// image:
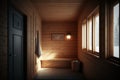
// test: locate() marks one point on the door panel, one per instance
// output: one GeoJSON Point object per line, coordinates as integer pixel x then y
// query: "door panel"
{"type": "Point", "coordinates": [16, 51]}
{"type": "Point", "coordinates": [18, 57]}
{"type": "Point", "coordinates": [18, 20]}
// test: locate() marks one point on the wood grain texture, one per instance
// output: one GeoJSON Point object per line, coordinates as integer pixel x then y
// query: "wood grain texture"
{"type": "Point", "coordinates": [3, 40]}
{"type": "Point", "coordinates": [60, 48]}
{"type": "Point", "coordinates": [57, 63]}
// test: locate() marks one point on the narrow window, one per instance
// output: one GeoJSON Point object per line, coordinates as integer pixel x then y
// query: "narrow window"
{"type": "Point", "coordinates": [96, 33]}
{"type": "Point", "coordinates": [89, 27]}
{"type": "Point", "coordinates": [84, 36]}
{"type": "Point", "coordinates": [116, 30]}
{"type": "Point", "coordinates": [90, 33]}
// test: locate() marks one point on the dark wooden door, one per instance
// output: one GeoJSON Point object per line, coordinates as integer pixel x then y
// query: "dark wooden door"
{"type": "Point", "coordinates": [16, 51]}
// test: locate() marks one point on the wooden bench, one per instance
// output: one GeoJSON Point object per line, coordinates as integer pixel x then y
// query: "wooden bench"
{"type": "Point", "coordinates": [57, 63]}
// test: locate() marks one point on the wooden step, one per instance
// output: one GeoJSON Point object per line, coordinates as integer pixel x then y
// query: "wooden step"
{"type": "Point", "coordinates": [57, 63]}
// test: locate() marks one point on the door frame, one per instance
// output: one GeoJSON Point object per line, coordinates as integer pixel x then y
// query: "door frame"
{"type": "Point", "coordinates": [24, 40]}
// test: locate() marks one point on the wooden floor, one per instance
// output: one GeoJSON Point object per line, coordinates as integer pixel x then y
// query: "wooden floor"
{"type": "Point", "coordinates": [58, 74]}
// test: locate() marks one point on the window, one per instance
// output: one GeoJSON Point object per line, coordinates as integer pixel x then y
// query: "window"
{"type": "Point", "coordinates": [90, 33]}
{"type": "Point", "coordinates": [84, 35]}
{"type": "Point", "coordinates": [114, 31]}
{"type": "Point", "coordinates": [96, 32]}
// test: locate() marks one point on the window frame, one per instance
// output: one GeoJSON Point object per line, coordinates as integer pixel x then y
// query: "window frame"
{"type": "Point", "coordinates": [84, 24]}
{"type": "Point", "coordinates": [96, 12]}
{"type": "Point", "coordinates": [110, 32]}
{"type": "Point", "coordinates": [91, 16]}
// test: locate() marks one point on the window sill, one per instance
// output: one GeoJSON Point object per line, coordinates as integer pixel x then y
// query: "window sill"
{"type": "Point", "coordinates": [84, 50]}
{"type": "Point", "coordinates": [93, 54]}
{"type": "Point", "coordinates": [114, 60]}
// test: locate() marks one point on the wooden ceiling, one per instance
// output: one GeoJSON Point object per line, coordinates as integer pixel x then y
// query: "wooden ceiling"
{"type": "Point", "coordinates": [59, 10]}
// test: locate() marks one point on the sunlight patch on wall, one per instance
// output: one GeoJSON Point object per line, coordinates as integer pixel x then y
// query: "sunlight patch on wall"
{"type": "Point", "coordinates": [44, 56]}
{"type": "Point", "coordinates": [48, 55]}
{"type": "Point", "coordinates": [38, 66]}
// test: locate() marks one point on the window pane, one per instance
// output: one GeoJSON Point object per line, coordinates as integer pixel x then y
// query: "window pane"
{"type": "Point", "coordinates": [97, 33]}
{"type": "Point", "coordinates": [90, 34]}
{"type": "Point", "coordinates": [116, 31]}
{"type": "Point", "coordinates": [84, 36]}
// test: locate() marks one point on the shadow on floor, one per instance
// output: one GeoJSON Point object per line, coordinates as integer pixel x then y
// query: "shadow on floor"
{"type": "Point", "coordinates": [58, 74]}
